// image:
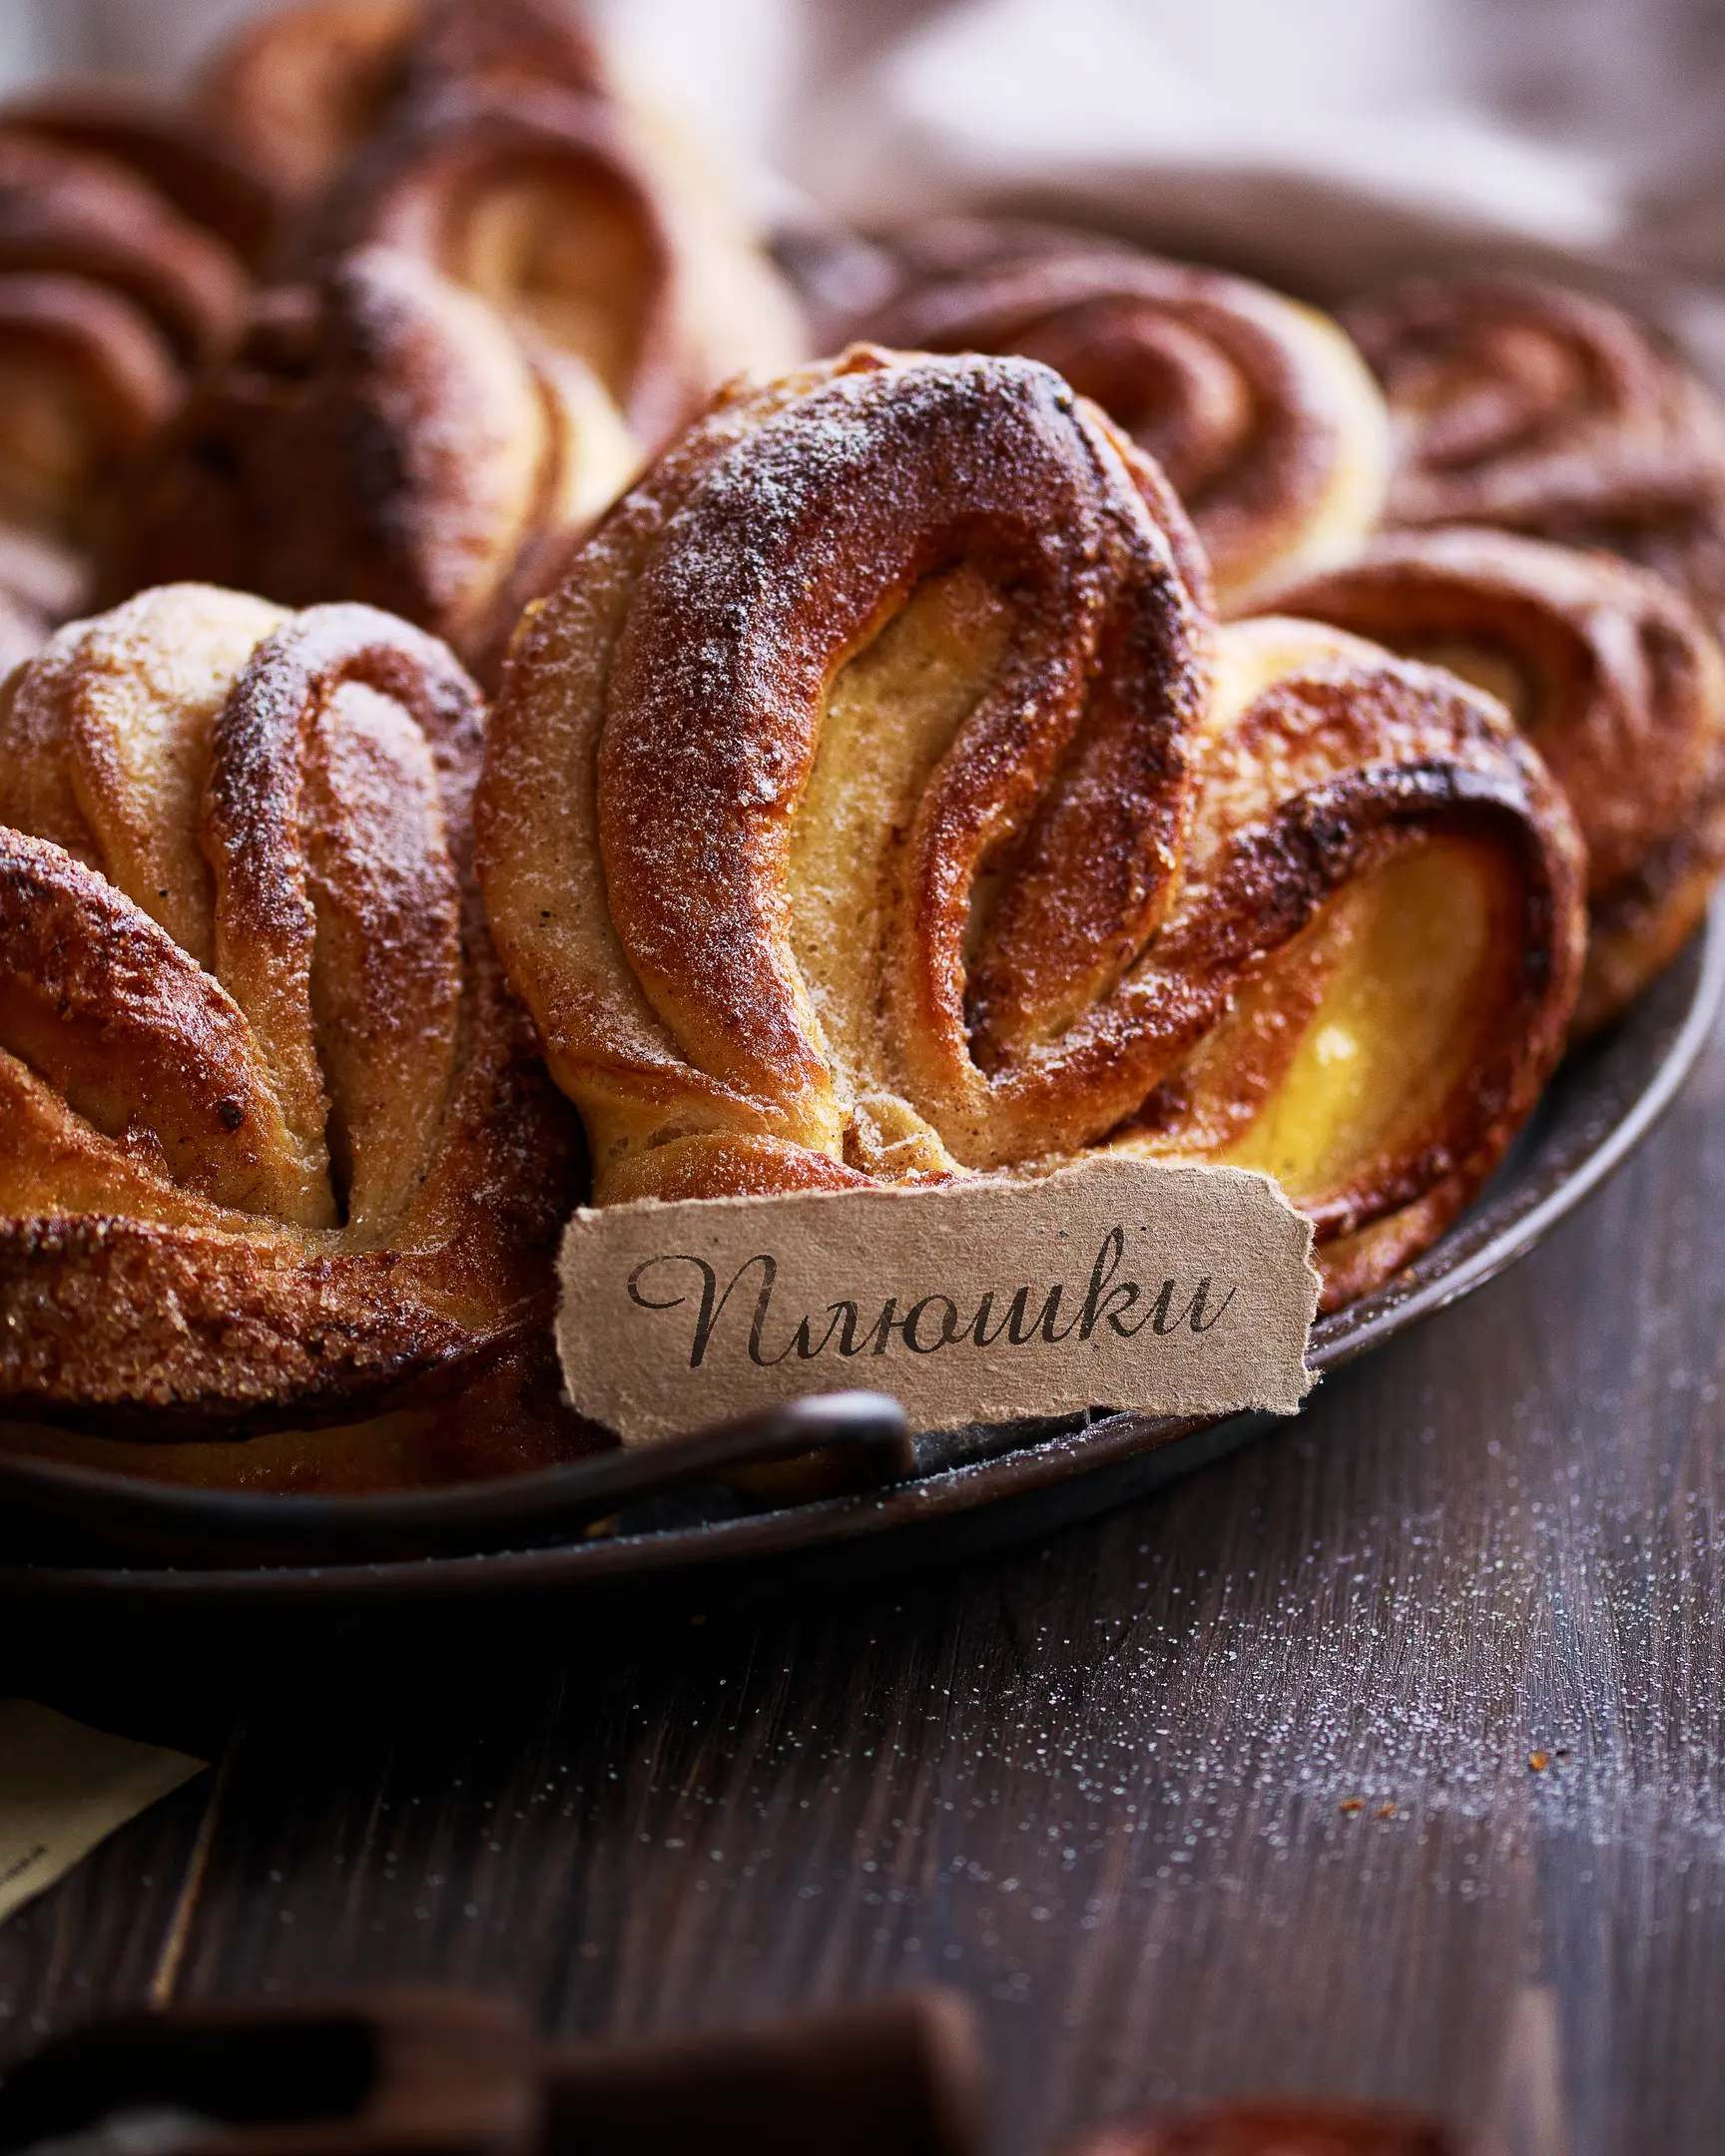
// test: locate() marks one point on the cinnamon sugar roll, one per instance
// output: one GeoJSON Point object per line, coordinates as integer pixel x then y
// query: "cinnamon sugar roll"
{"type": "Point", "coordinates": [276, 1153]}
{"type": "Point", "coordinates": [84, 385]}
{"type": "Point", "coordinates": [108, 299]}
{"type": "Point", "coordinates": [1523, 405]}
{"type": "Point", "coordinates": [574, 217]}
{"type": "Point", "coordinates": [1277, 2127]}
{"type": "Point", "coordinates": [862, 808]}
{"type": "Point", "coordinates": [380, 436]}
{"type": "Point", "coordinates": [1257, 408]}
{"type": "Point", "coordinates": [296, 91]}
{"type": "Point", "coordinates": [213, 183]}
{"type": "Point", "coordinates": [1616, 681]}
{"type": "Point", "coordinates": [300, 92]}
{"type": "Point", "coordinates": [62, 214]}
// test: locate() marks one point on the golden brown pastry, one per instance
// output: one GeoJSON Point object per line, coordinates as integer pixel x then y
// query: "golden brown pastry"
{"type": "Point", "coordinates": [381, 437]}
{"type": "Point", "coordinates": [83, 383]}
{"type": "Point", "coordinates": [64, 213]}
{"type": "Point", "coordinates": [1523, 405]}
{"type": "Point", "coordinates": [1616, 681]}
{"type": "Point", "coordinates": [213, 183]}
{"type": "Point", "coordinates": [577, 218]}
{"type": "Point", "coordinates": [1273, 2128]}
{"type": "Point", "coordinates": [868, 804]}
{"type": "Point", "coordinates": [302, 91]}
{"type": "Point", "coordinates": [276, 1152]}
{"type": "Point", "coordinates": [298, 90]}
{"type": "Point", "coordinates": [1257, 408]}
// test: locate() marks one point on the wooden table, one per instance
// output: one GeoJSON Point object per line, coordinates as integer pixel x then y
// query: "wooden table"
{"type": "Point", "coordinates": [1383, 1757]}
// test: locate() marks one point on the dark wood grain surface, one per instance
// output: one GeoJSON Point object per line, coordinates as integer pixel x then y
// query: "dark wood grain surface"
{"type": "Point", "coordinates": [1234, 1790]}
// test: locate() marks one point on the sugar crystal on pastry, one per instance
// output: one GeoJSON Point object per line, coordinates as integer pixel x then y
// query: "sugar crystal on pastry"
{"type": "Point", "coordinates": [276, 1153]}
{"type": "Point", "coordinates": [874, 800]}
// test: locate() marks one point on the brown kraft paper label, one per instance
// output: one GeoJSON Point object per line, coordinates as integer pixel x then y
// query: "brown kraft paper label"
{"type": "Point", "coordinates": [1113, 1283]}
{"type": "Point", "coordinates": [65, 1788]}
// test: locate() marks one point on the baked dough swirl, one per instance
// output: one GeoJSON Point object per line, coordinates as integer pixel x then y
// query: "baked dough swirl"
{"type": "Point", "coordinates": [108, 299]}
{"type": "Point", "coordinates": [578, 218]}
{"type": "Point", "coordinates": [301, 91]}
{"type": "Point", "coordinates": [1616, 681]}
{"type": "Point", "coordinates": [859, 810]}
{"type": "Point", "coordinates": [166, 147]}
{"type": "Point", "coordinates": [380, 436]}
{"type": "Point", "coordinates": [298, 90]}
{"type": "Point", "coordinates": [1523, 405]}
{"type": "Point", "coordinates": [85, 383]}
{"type": "Point", "coordinates": [275, 1146]}
{"type": "Point", "coordinates": [1257, 408]}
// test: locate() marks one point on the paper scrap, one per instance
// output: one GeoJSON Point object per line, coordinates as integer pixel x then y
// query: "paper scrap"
{"type": "Point", "coordinates": [64, 1787]}
{"type": "Point", "coordinates": [1116, 1282]}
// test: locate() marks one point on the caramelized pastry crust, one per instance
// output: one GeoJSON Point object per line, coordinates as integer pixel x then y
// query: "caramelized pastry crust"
{"type": "Point", "coordinates": [1257, 408]}
{"type": "Point", "coordinates": [380, 436]}
{"type": "Point", "coordinates": [1618, 684]}
{"type": "Point", "coordinates": [571, 215]}
{"type": "Point", "coordinates": [1523, 405]}
{"type": "Point", "coordinates": [298, 90]}
{"type": "Point", "coordinates": [62, 214]}
{"type": "Point", "coordinates": [85, 382]}
{"type": "Point", "coordinates": [214, 186]}
{"type": "Point", "coordinates": [107, 296]}
{"type": "Point", "coordinates": [274, 1149]}
{"type": "Point", "coordinates": [861, 810]}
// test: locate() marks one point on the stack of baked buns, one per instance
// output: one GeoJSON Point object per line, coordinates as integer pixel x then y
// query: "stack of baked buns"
{"type": "Point", "coordinates": [1101, 704]}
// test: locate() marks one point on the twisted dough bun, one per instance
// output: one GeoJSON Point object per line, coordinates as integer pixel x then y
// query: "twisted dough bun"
{"type": "Point", "coordinates": [1523, 405]}
{"type": "Point", "coordinates": [64, 213]}
{"type": "Point", "coordinates": [304, 89]}
{"type": "Point", "coordinates": [107, 296]}
{"type": "Point", "coordinates": [1617, 683]}
{"type": "Point", "coordinates": [1257, 408]}
{"type": "Point", "coordinates": [860, 810]}
{"type": "Point", "coordinates": [296, 91]}
{"type": "Point", "coordinates": [381, 437]}
{"type": "Point", "coordinates": [275, 1146]}
{"type": "Point", "coordinates": [213, 183]}
{"type": "Point", "coordinates": [582, 220]}
{"type": "Point", "coordinates": [1274, 2127]}
{"type": "Point", "coordinates": [84, 385]}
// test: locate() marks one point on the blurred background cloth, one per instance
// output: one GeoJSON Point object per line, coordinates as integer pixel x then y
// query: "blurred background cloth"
{"type": "Point", "coordinates": [1321, 140]}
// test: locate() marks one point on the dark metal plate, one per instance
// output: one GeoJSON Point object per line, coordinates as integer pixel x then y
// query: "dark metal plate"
{"type": "Point", "coordinates": [957, 1494]}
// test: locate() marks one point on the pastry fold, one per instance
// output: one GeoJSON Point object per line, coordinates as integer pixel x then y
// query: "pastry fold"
{"type": "Point", "coordinates": [1620, 685]}
{"type": "Point", "coordinates": [380, 435]}
{"type": "Point", "coordinates": [1257, 408]}
{"type": "Point", "coordinates": [508, 166]}
{"type": "Point", "coordinates": [297, 90]}
{"type": "Point", "coordinates": [110, 298]}
{"type": "Point", "coordinates": [1524, 405]}
{"type": "Point", "coordinates": [275, 1146]}
{"type": "Point", "coordinates": [875, 800]}
{"type": "Point", "coordinates": [66, 214]}
{"type": "Point", "coordinates": [168, 148]}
